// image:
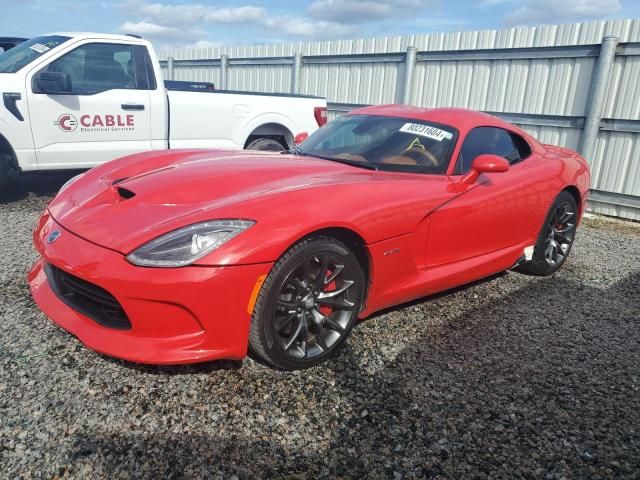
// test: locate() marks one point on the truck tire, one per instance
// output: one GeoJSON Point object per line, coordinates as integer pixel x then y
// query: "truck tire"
{"type": "Point", "coordinates": [266, 144]}
{"type": "Point", "coordinates": [3, 173]}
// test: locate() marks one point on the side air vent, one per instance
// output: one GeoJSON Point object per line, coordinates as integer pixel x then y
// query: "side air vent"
{"type": "Point", "coordinates": [124, 193]}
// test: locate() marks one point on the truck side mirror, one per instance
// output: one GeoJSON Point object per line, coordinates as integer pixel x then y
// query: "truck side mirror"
{"type": "Point", "coordinates": [54, 83]}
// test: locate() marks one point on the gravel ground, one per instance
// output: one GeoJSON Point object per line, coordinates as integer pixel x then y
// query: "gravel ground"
{"type": "Point", "coordinates": [515, 376]}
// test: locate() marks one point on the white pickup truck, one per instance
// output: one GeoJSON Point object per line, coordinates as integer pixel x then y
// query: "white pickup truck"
{"type": "Point", "coordinates": [77, 100]}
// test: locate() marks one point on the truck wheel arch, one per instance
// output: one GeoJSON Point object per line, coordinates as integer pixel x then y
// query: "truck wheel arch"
{"type": "Point", "coordinates": [8, 155]}
{"type": "Point", "coordinates": [274, 131]}
{"type": "Point", "coordinates": [266, 126]}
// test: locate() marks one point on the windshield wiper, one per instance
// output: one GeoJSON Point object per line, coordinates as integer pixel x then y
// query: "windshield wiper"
{"type": "Point", "coordinates": [296, 150]}
{"type": "Point", "coordinates": [366, 166]}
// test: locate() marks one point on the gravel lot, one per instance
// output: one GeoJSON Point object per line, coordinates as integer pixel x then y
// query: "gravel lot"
{"type": "Point", "coordinates": [511, 377]}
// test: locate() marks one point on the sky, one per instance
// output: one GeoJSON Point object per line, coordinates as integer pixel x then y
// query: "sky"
{"type": "Point", "coordinates": [201, 23]}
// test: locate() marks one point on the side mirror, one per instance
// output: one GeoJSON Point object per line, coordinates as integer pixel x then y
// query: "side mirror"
{"type": "Point", "coordinates": [301, 137]}
{"type": "Point", "coordinates": [55, 83]}
{"type": "Point", "coordinates": [485, 164]}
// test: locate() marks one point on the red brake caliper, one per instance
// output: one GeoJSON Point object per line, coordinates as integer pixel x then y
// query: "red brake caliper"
{"type": "Point", "coordinates": [328, 288]}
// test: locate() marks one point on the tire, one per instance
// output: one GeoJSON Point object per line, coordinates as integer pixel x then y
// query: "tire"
{"type": "Point", "coordinates": [555, 238]}
{"type": "Point", "coordinates": [302, 317]}
{"type": "Point", "coordinates": [3, 173]}
{"type": "Point", "coordinates": [266, 145]}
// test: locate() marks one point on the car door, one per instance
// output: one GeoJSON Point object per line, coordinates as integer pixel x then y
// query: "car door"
{"type": "Point", "coordinates": [107, 113]}
{"type": "Point", "coordinates": [499, 211]}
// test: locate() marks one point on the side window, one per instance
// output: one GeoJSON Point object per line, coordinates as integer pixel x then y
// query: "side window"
{"type": "Point", "coordinates": [490, 140]}
{"type": "Point", "coordinates": [521, 144]}
{"type": "Point", "coordinates": [98, 67]}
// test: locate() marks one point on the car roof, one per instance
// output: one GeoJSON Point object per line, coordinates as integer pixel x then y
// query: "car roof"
{"type": "Point", "coordinates": [460, 118]}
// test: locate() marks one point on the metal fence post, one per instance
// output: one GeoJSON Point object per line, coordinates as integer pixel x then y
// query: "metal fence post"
{"type": "Point", "coordinates": [409, 67]}
{"type": "Point", "coordinates": [224, 71]}
{"type": "Point", "coordinates": [599, 85]}
{"type": "Point", "coordinates": [170, 68]}
{"type": "Point", "coordinates": [295, 73]}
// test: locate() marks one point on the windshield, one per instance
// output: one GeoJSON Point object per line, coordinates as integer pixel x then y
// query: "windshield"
{"type": "Point", "coordinates": [13, 60]}
{"type": "Point", "coordinates": [384, 143]}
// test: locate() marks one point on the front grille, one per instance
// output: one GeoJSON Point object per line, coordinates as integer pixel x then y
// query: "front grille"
{"type": "Point", "coordinates": [88, 299]}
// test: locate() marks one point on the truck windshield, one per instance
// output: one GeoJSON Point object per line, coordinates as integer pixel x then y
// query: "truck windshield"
{"type": "Point", "coordinates": [13, 60]}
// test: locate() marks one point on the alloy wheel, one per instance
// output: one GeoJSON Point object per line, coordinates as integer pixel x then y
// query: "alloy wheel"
{"type": "Point", "coordinates": [560, 233]}
{"type": "Point", "coordinates": [314, 306]}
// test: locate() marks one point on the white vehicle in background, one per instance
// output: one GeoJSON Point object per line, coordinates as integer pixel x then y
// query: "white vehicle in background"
{"type": "Point", "coordinates": [76, 100]}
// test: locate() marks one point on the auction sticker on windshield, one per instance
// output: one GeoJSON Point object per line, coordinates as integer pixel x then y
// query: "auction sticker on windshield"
{"type": "Point", "coordinates": [426, 131]}
{"type": "Point", "coordinates": [38, 47]}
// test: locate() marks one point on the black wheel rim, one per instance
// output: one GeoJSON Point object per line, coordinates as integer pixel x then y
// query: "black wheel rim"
{"type": "Point", "coordinates": [314, 306]}
{"type": "Point", "coordinates": [560, 233]}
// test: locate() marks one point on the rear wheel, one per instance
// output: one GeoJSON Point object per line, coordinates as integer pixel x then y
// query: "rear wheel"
{"type": "Point", "coordinates": [266, 144]}
{"type": "Point", "coordinates": [307, 305]}
{"type": "Point", "coordinates": [556, 237]}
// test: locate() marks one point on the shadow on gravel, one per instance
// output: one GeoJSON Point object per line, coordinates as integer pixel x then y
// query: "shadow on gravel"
{"type": "Point", "coordinates": [550, 393]}
{"type": "Point", "coordinates": [181, 456]}
{"type": "Point", "coordinates": [37, 184]}
{"type": "Point", "coordinates": [547, 397]}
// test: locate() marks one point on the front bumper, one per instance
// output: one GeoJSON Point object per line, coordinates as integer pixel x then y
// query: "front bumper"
{"type": "Point", "coordinates": [177, 315]}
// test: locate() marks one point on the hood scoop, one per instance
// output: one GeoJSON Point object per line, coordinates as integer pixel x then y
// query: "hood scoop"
{"type": "Point", "coordinates": [125, 193]}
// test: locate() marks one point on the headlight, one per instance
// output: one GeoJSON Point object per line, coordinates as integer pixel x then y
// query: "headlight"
{"type": "Point", "coordinates": [186, 245]}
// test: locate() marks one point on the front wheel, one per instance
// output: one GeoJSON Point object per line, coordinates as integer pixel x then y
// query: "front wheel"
{"type": "Point", "coordinates": [307, 305]}
{"type": "Point", "coordinates": [556, 237]}
{"type": "Point", "coordinates": [3, 173]}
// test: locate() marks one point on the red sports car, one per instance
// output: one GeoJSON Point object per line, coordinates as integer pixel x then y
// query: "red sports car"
{"type": "Point", "coordinates": [185, 256]}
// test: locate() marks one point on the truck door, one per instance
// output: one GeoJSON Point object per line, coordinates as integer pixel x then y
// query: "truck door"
{"type": "Point", "coordinates": [106, 114]}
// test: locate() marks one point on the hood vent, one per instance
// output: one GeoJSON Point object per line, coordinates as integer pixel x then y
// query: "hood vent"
{"type": "Point", "coordinates": [124, 193]}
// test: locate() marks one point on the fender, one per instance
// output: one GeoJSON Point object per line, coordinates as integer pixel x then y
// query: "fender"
{"type": "Point", "coordinates": [6, 151]}
{"type": "Point", "coordinates": [15, 134]}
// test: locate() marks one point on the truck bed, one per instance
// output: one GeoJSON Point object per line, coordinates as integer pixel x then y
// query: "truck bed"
{"type": "Point", "coordinates": [184, 86]}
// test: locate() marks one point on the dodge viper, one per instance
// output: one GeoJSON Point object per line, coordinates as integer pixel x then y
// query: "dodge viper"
{"type": "Point", "coordinates": [185, 256]}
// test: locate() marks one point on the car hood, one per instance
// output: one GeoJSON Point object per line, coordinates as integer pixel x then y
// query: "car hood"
{"type": "Point", "coordinates": [126, 203]}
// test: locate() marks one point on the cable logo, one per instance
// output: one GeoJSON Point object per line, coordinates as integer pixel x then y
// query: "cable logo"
{"type": "Point", "coordinates": [67, 122]}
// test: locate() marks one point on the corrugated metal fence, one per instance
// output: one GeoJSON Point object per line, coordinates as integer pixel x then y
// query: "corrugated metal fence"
{"type": "Point", "coordinates": [576, 85]}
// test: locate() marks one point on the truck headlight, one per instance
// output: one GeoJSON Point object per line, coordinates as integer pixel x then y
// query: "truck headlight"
{"type": "Point", "coordinates": [186, 245]}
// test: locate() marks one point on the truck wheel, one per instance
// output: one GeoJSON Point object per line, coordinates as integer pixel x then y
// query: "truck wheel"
{"type": "Point", "coordinates": [266, 145]}
{"type": "Point", "coordinates": [3, 173]}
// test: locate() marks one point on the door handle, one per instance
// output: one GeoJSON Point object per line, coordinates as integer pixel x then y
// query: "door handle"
{"type": "Point", "coordinates": [132, 106]}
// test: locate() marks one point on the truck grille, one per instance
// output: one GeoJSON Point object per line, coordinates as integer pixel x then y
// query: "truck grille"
{"type": "Point", "coordinates": [88, 299]}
